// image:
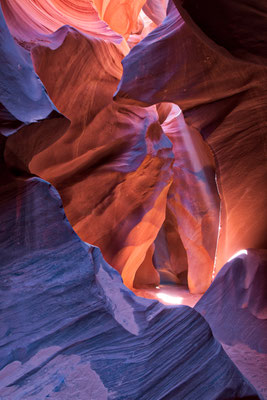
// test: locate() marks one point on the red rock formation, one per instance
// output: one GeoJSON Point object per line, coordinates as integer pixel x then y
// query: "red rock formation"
{"type": "Point", "coordinates": [224, 99]}
{"type": "Point", "coordinates": [239, 27]}
{"type": "Point", "coordinates": [122, 16]}
{"type": "Point", "coordinates": [99, 166]}
{"type": "Point", "coordinates": [192, 200]}
{"type": "Point", "coordinates": [30, 113]}
{"type": "Point", "coordinates": [114, 177]}
{"type": "Point", "coordinates": [30, 21]}
{"type": "Point", "coordinates": [118, 157]}
{"type": "Point", "coordinates": [69, 328]}
{"type": "Point", "coordinates": [112, 167]}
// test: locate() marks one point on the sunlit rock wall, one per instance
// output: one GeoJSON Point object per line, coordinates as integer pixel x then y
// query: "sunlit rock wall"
{"type": "Point", "coordinates": [239, 294]}
{"type": "Point", "coordinates": [165, 195]}
{"type": "Point", "coordinates": [30, 21]}
{"type": "Point", "coordinates": [222, 94]}
{"type": "Point", "coordinates": [192, 200]}
{"type": "Point", "coordinates": [114, 165]}
{"type": "Point", "coordinates": [70, 328]}
{"type": "Point", "coordinates": [140, 183]}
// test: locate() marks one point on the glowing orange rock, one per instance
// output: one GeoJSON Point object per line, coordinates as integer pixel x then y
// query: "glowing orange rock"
{"type": "Point", "coordinates": [192, 200]}
{"type": "Point", "coordinates": [223, 97]}
{"type": "Point", "coordinates": [122, 16]}
{"type": "Point", "coordinates": [112, 167]}
{"type": "Point", "coordinates": [33, 20]}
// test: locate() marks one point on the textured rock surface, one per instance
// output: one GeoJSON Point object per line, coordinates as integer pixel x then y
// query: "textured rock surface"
{"type": "Point", "coordinates": [69, 327]}
{"type": "Point", "coordinates": [113, 177]}
{"type": "Point", "coordinates": [252, 364]}
{"type": "Point", "coordinates": [23, 99]}
{"type": "Point", "coordinates": [100, 168]}
{"type": "Point", "coordinates": [156, 10]}
{"type": "Point", "coordinates": [227, 25]}
{"type": "Point", "coordinates": [112, 167]}
{"type": "Point", "coordinates": [235, 305]}
{"type": "Point", "coordinates": [31, 21]}
{"type": "Point", "coordinates": [192, 203]}
{"type": "Point", "coordinates": [224, 98]}
{"type": "Point", "coordinates": [122, 16]}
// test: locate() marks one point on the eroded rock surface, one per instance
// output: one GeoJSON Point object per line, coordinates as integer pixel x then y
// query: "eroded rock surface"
{"type": "Point", "coordinates": [115, 167]}
{"type": "Point", "coordinates": [192, 203]}
{"type": "Point", "coordinates": [223, 97]}
{"type": "Point", "coordinates": [122, 16]}
{"type": "Point", "coordinates": [23, 99]}
{"type": "Point", "coordinates": [112, 167]}
{"type": "Point", "coordinates": [235, 305]}
{"type": "Point", "coordinates": [31, 21]}
{"type": "Point", "coordinates": [70, 327]}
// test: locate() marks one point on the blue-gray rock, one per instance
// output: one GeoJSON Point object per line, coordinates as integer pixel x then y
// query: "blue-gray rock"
{"type": "Point", "coordinates": [70, 329]}
{"type": "Point", "coordinates": [235, 305]}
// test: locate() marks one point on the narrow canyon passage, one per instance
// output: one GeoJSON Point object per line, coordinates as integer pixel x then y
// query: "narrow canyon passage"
{"type": "Point", "coordinates": [133, 253]}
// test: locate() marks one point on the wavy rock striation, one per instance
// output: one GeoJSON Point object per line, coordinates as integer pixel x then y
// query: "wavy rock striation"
{"type": "Point", "coordinates": [32, 21]}
{"type": "Point", "coordinates": [235, 305]}
{"type": "Point", "coordinates": [23, 98]}
{"type": "Point", "coordinates": [69, 327]}
{"type": "Point", "coordinates": [223, 97]}
{"type": "Point", "coordinates": [112, 166]}
{"type": "Point", "coordinates": [192, 204]}
{"type": "Point", "coordinates": [121, 16]}
{"type": "Point", "coordinates": [156, 10]}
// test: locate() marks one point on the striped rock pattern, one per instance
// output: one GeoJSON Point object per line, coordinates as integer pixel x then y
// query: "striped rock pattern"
{"type": "Point", "coordinates": [69, 327]}
{"type": "Point", "coordinates": [235, 305]}
{"type": "Point", "coordinates": [222, 93]}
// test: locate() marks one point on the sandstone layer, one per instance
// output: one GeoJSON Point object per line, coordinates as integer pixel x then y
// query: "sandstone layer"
{"type": "Point", "coordinates": [223, 97]}
{"type": "Point", "coordinates": [69, 327]}
{"type": "Point", "coordinates": [235, 305]}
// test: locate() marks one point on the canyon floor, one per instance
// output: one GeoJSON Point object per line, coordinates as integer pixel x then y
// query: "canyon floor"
{"type": "Point", "coordinates": [251, 363]}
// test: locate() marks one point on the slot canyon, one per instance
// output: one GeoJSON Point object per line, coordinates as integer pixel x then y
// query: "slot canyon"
{"type": "Point", "coordinates": [133, 218]}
